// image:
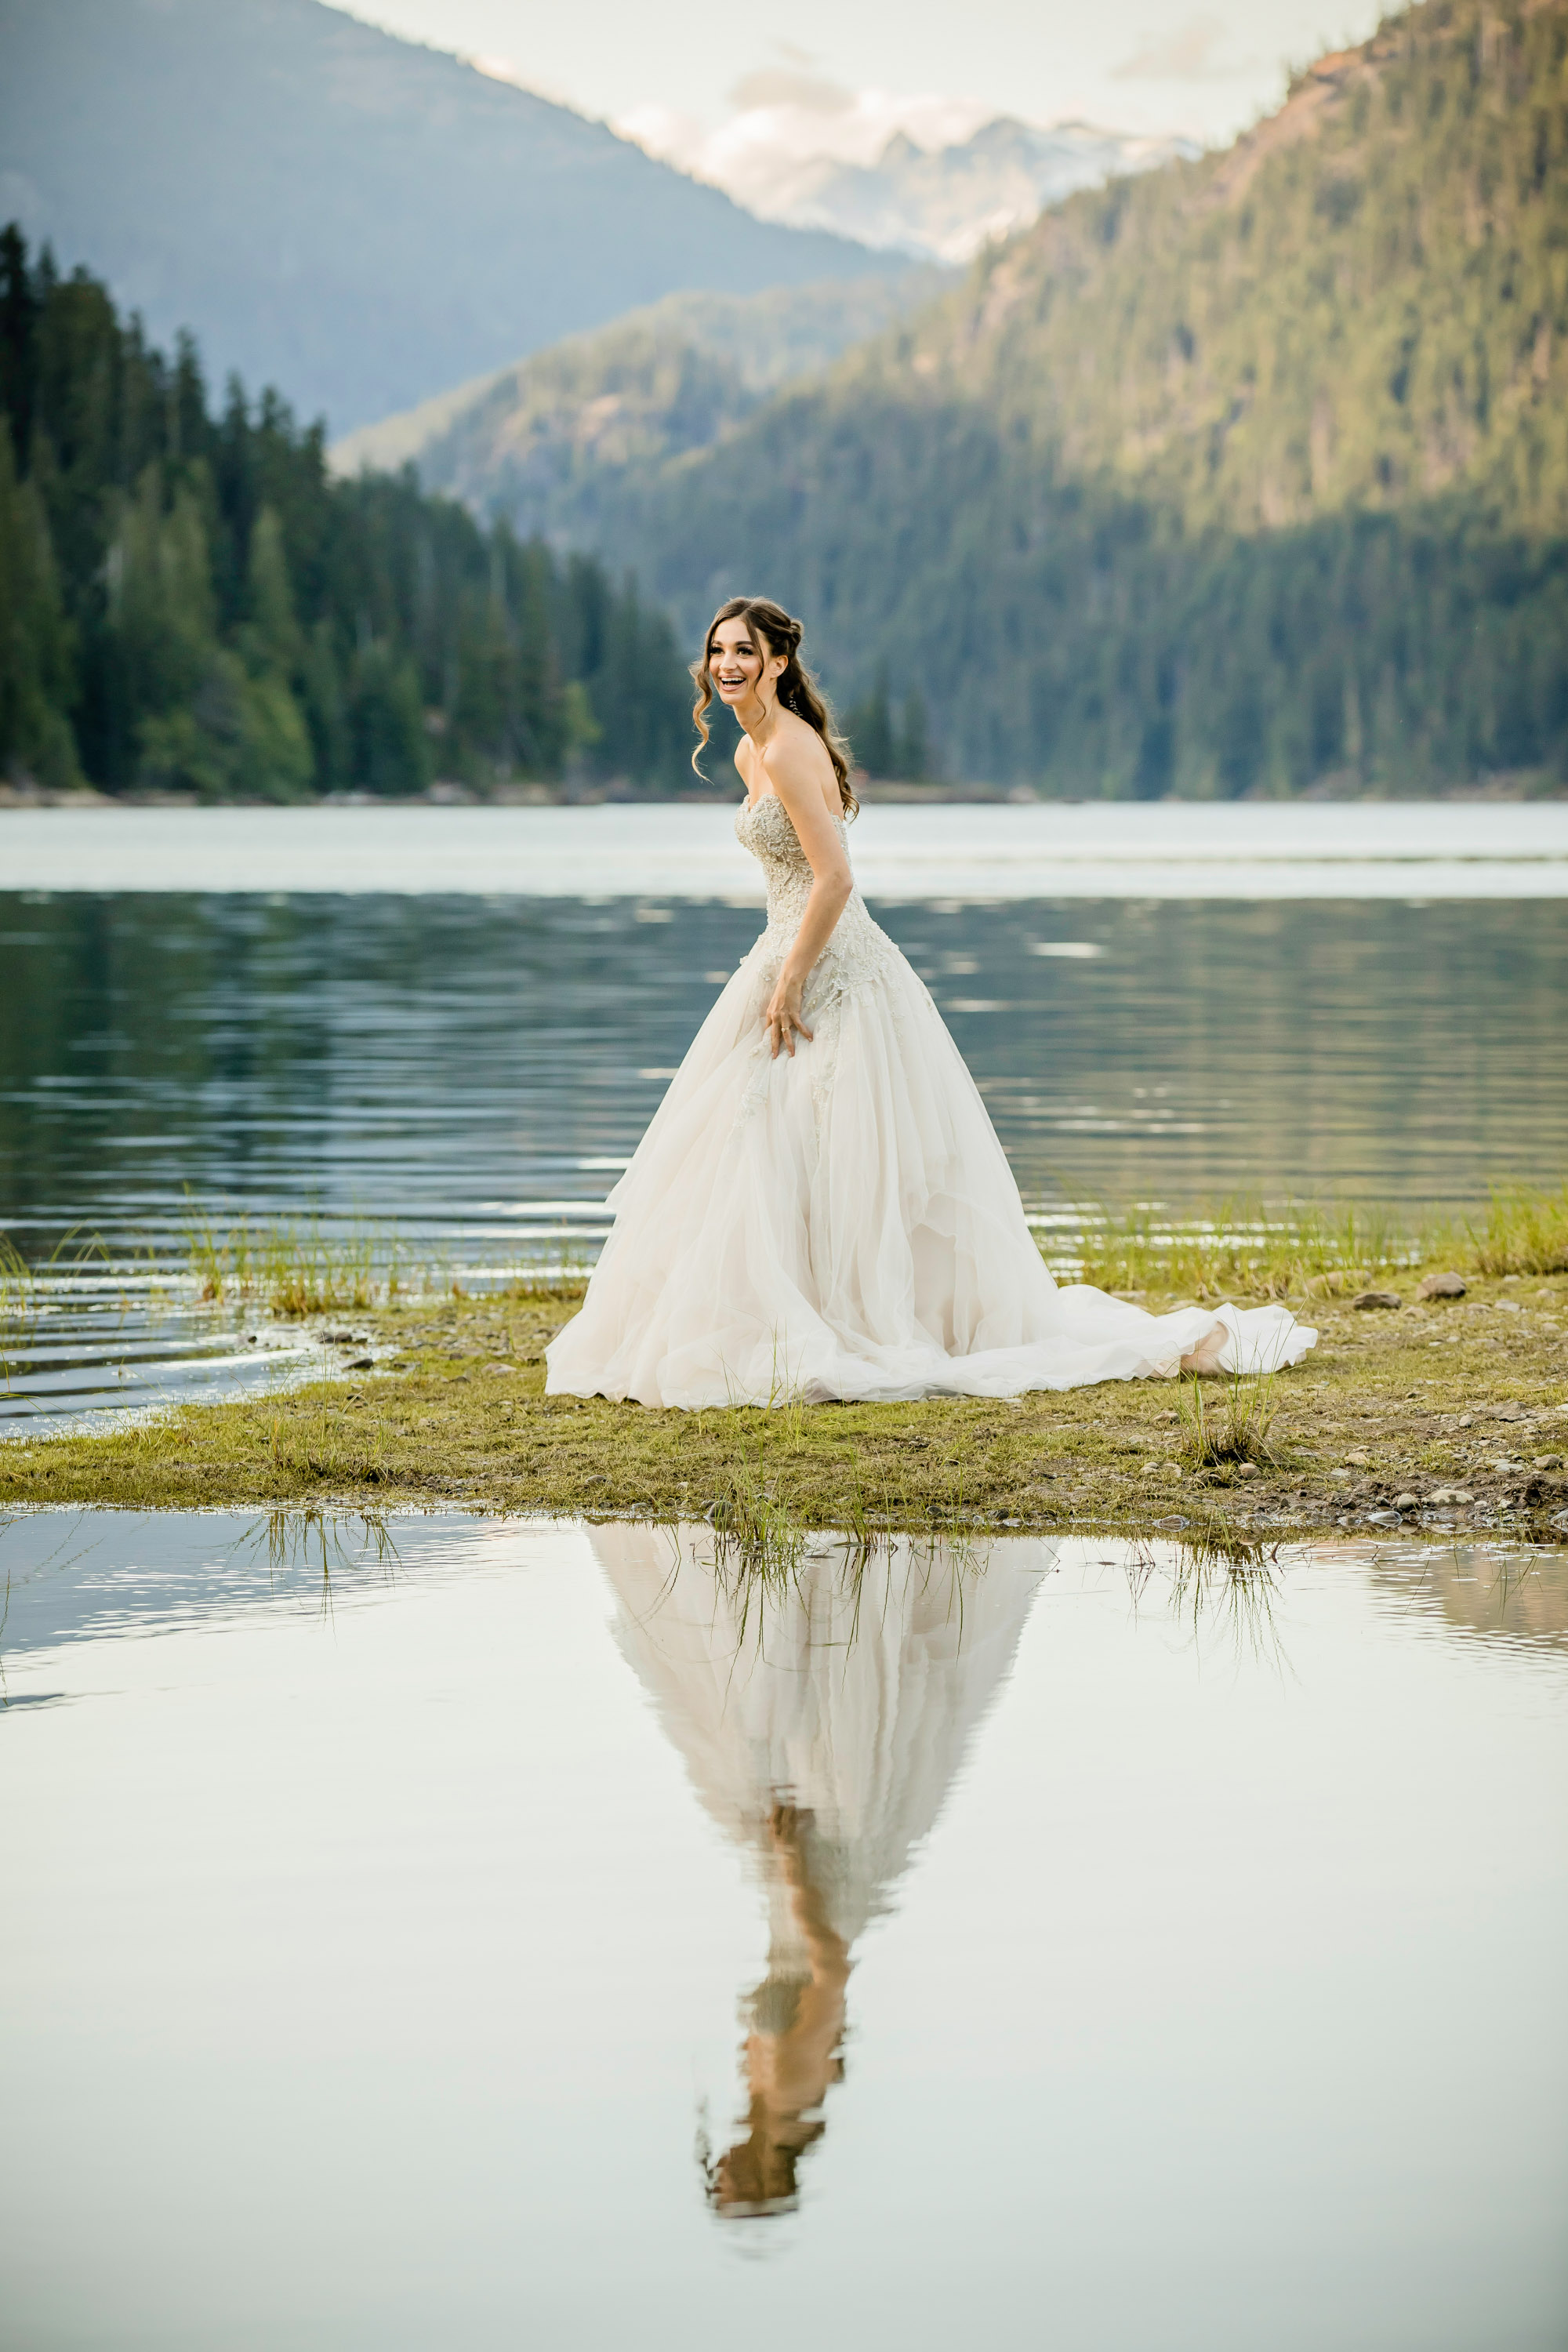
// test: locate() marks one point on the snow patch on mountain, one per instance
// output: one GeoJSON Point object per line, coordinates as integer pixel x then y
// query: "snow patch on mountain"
{"type": "Point", "coordinates": [934, 177]}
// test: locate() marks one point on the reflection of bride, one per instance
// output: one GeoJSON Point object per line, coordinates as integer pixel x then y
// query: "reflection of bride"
{"type": "Point", "coordinates": [820, 1207]}
{"type": "Point", "coordinates": [821, 1726]}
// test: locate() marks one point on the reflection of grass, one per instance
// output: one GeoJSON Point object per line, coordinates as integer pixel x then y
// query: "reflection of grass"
{"type": "Point", "coordinates": [1217, 1579]}
{"type": "Point", "coordinates": [1240, 1249]}
{"type": "Point", "coordinates": [766, 1559]}
{"type": "Point", "coordinates": [1236, 1429]}
{"type": "Point", "coordinates": [752, 1530]}
{"type": "Point", "coordinates": [1221, 1583]}
{"type": "Point", "coordinates": [319, 1541]}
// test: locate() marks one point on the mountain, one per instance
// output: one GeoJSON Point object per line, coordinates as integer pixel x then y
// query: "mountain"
{"type": "Point", "coordinates": [547, 442]}
{"type": "Point", "coordinates": [1249, 474]}
{"type": "Point", "coordinates": [931, 177]}
{"type": "Point", "coordinates": [946, 204]}
{"type": "Point", "coordinates": [361, 220]}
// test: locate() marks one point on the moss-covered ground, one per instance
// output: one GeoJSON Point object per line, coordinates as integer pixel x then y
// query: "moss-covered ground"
{"type": "Point", "coordinates": [1453, 1411]}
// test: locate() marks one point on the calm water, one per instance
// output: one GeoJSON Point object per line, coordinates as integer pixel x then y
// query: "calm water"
{"type": "Point", "coordinates": [475, 1064]}
{"type": "Point", "coordinates": [473, 1933]}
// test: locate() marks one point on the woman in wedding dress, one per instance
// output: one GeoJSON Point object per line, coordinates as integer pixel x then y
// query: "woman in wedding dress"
{"type": "Point", "coordinates": [820, 1207]}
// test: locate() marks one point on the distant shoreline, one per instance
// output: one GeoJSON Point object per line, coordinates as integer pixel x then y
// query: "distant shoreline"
{"type": "Point", "coordinates": [1523, 787]}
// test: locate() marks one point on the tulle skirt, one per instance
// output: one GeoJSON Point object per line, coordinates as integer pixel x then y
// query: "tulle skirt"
{"type": "Point", "coordinates": [844, 1223]}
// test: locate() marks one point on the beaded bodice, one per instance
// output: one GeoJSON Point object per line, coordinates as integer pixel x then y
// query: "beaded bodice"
{"type": "Point", "coordinates": [858, 950]}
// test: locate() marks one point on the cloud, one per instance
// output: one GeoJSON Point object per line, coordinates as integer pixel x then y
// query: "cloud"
{"type": "Point", "coordinates": [790, 129]}
{"type": "Point", "coordinates": [779, 86]}
{"type": "Point", "coordinates": [1186, 53]}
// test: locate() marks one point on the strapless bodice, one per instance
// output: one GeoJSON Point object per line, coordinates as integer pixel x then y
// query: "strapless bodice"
{"type": "Point", "coordinates": [859, 950]}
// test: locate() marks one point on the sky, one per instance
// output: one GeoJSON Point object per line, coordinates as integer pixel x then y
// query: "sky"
{"type": "Point", "coordinates": [681, 72]}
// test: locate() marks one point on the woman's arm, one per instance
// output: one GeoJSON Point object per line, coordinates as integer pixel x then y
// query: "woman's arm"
{"type": "Point", "coordinates": [794, 770]}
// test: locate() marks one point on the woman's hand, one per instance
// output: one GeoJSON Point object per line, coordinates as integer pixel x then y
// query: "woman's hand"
{"type": "Point", "coordinates": [781, 1019]}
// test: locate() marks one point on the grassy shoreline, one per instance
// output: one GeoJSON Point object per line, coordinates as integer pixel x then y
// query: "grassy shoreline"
{"type": "Point", "coordinates": [1446, 1412]}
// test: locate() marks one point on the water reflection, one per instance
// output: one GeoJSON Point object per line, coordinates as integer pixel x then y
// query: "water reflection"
{"type": "Point", "coordinates": [373, 1936]}
{"type": "Point", "coordinates": [1219, 1592]}
{"type": "Point", "coordinates": [823, 1712]}
{"type": "Point", "coordinates": [481, 1067]}
{"type": "Point", "coordinates": [1511, 1589]}
{"type": "Point", "coordinates": [822, 1719]}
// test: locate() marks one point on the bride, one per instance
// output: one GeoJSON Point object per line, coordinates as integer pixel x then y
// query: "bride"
{"type": "Point", "coordinates": [820, 1207]}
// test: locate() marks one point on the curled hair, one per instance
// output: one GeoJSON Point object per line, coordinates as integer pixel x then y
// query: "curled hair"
{"type": "Point", "coordinates": [797, 689]}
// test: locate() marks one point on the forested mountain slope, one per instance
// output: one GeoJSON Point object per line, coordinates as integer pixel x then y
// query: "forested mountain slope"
{"type": "Point", "coordinates": [189, 603]}
{"type": "Point", "coordinates": [1250, 474]}
{"type": "Point", "coordinates": [545, 442]}
{"type": "Point", "coordinates": [354, 216]}
{"type": "Point", "coordinates": [1360, 304]}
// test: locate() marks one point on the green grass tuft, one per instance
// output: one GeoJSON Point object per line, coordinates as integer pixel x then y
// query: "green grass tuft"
{"type": "Point", "coordinates": [1236, 1429]}
{"type": "Point", "coordinates": [1526, 1232]}
{"type": "Point", "coordinates": [1242, 1249]}
{"type": "Point", "coordinates": [294, 1268]}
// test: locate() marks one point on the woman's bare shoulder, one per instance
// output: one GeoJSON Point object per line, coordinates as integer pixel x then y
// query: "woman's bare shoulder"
{"type": "Point", "coordinates": [797, 757]}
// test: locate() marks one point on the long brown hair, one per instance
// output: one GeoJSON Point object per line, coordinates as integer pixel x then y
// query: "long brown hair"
{"type": "Point", "coordinates": [797, 689]}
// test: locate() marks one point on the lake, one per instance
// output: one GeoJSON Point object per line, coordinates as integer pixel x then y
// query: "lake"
{"type": "Point", "coordinates": [487, 1933]}
{"type": "Point", "coordinates": [456, 1023]}
{"type": "Point", "coordinates": [1160, 849]}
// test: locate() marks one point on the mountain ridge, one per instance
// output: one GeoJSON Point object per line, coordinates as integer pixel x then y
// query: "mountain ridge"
{"type": "Point", "coordinates": [944, 204]}
{"type": "Point", "coordinates": [1244, 475]}
{"type": "Point", "coordinates": [1198, 352]}
{"type": "Point", "coordinates": [897, 174]}
{"type": "Point", "coordinates": [358, 218]}
{"type": "Point", "coordinates": [545, 442]}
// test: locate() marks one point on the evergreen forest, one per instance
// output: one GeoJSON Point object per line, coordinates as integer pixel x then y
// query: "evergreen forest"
{"type": "Point", "coordinates": [191, 604]}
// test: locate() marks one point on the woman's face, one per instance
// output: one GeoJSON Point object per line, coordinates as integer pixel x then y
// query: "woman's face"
{"type": "Point", "coordinates": [739, 662]}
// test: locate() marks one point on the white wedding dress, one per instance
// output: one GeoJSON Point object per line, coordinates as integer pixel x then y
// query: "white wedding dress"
{"type": "Point", "coordinates": [844, 1223]}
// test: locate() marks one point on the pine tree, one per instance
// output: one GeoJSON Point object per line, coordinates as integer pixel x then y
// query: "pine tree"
{"type": "Point", "coordinates": [389, 753]}
{"type": "Point", "coordinates": [870, 726]}
{"type": "Point", "coordinates": [36, 645]}
{"type": "Point", "coordinates": [191, 604]}
{"type": "Point", "coordinates": [914, 755]}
